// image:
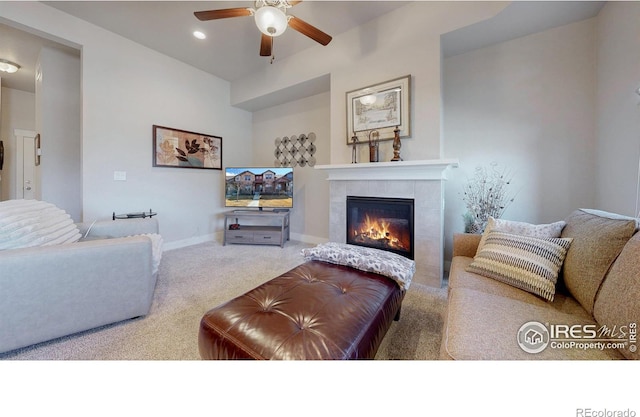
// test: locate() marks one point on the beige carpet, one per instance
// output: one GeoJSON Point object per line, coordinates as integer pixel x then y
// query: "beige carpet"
{"type": "Point", "coordinates": [194, 279]}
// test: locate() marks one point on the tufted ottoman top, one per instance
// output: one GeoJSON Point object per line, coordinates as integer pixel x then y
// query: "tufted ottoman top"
{"type": "Point", "coordinates": [315, 311]}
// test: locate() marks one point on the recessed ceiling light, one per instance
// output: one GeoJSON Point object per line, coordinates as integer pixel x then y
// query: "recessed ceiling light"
{"type": "Point", "coordinates": [199, 35]}
{"type": "Point", "coordinates": [8, 66]}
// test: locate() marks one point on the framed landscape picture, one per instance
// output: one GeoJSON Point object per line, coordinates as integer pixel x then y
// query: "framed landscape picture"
{"type": "Point", "coordinates": [381, 107]}
{"type": "Point", "coordinates": [177, 148]}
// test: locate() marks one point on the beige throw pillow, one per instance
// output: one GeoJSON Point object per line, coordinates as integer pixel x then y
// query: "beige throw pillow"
{"type": "Point", "coordinates": [540, 231]}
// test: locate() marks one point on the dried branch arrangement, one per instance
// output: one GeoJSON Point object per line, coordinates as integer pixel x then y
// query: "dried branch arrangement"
{"type": "Point", "coordinates": [485, 195]}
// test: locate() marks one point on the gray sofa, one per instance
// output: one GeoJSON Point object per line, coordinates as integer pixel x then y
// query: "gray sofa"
{"type": "Point", "coordinates": [53, 291]}
{"type": "Point", "coordinates": [597, 298]}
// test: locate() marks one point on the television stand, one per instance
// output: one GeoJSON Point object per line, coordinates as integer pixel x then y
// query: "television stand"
{"type": "Point", "coordinates": [262, 227]}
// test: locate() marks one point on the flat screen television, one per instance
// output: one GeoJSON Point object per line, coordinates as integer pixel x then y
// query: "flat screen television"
{"type": "Point", "coordinates": [259, 187]}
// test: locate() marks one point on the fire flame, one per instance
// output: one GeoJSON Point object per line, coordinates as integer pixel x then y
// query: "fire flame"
{"type": "Point", "coordinates": [378, 231]}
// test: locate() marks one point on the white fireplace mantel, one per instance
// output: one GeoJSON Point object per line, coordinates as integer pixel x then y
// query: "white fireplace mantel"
{"type": "Point", "coordinates": [422, 181]}
{"type": "Point", "coordinates": [430, 169]}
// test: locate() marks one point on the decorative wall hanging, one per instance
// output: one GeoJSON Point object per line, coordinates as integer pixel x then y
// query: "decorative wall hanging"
{"type": "Point", "coordinates": [381, 107]}
{"type": "Point", "coordinates": [295, 150]}
{"type": "Point", "coordinates": [37, 150]}
{"type": "Point", "coordinates": [177, 148]}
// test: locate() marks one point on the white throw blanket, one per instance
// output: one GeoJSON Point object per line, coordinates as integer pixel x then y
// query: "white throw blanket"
{"type": "Point", "coordinates": [156, 250]}
{"type": "Point", "coordinates": [389, 264]}
{"type": "Point", "coordinates": [28, 223]}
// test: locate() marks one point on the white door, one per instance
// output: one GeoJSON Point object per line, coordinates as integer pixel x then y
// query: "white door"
{"type": "Point", "coordinates": [26, 182]}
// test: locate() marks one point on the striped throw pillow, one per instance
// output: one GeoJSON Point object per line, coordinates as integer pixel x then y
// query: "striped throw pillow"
{"type": "Point", "coordinates": [525, 262]}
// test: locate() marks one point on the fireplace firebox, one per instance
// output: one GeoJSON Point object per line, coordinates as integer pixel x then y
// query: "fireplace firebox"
{"type": "Point", "coordinates": [381, 223]}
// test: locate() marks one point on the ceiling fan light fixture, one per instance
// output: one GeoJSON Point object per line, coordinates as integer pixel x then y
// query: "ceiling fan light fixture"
{"type": "Point", "coordinates": [8, 66]}
{"type": "Point", "coordinates": [271, 21]}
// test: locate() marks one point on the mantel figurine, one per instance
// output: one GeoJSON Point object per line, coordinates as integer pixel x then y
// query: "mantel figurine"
{"type": "Point", "coordinates": [396, 145]}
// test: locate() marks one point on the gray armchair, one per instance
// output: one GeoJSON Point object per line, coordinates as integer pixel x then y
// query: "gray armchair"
{"type": "Point", "coordinates": [53, 291]}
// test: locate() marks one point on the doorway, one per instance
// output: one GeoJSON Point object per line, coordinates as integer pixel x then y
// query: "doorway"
{"type": "Point", "coordinates": [27, 184]}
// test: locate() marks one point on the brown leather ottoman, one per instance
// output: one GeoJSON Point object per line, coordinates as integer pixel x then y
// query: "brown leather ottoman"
{"type": "Point", "coordinates": [315, 311]}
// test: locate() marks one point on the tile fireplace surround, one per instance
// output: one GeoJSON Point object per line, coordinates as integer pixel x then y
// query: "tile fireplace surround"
{"type": "Point", "coordinates": [421, 180]}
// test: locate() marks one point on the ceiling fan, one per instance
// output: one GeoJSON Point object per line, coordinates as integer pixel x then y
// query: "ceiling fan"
{"type": "Point", "coordinates": [271, 19]}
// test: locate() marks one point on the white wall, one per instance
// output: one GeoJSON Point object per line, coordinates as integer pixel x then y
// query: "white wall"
{"type": "Point", "coordinates": [18, 112]}
{"type": "Point", "coordinates": [153, 89]}
{"type": "Point", "coordinates": [309, 217]}
{"type": "Point", "coordinates": [529, 105]}
{"type": "Point", "coordinates": [58, 121]}
{"type": "Point", "coordinates": [405, 41]}
{"type": "Point", "coordinates": [618, 107]}
{"type": "Point", "coordinates": [126, 88]}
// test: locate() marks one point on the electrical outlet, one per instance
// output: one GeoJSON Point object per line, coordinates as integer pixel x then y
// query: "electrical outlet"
{"type": "Point", "coordinates": [119, 175]}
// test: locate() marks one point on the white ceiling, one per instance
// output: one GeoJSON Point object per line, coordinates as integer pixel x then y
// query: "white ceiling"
{"type": "Point", "coordinates": [23, 49]}
{"type": "Point", "coordinates": [232, 45]}
{"type": "Point", "coordinates": [231, 50]}
{"type": "Point", "coordinates": [519, 19]}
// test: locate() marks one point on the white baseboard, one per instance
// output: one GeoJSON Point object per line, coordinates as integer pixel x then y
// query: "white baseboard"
{"type": "Point", "coordinates": [177, 244]}
{"type": "Point", "coordinates": [219, 237]}
{"type": "Point", "coordinates": [308, 238]}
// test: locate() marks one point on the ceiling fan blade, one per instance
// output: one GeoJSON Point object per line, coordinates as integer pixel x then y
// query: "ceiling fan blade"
{"type": "Point", "coordinates": [266, 44]}
{"type": "Point", "coordinates": [294, 2]}
{"type": "Point", "coordinates": [309, 30]}
{"type": "Point", "coordinates": [223, 13]}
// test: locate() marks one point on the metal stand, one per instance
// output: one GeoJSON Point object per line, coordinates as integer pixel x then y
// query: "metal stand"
{"type": "Point", "coordinates": [141, 215]}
